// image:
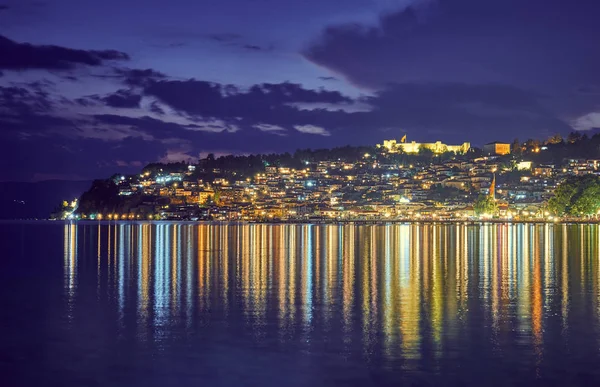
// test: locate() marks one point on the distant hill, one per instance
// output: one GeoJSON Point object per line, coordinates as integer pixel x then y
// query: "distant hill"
{"type": "Point", "coordinates": [19, 200]}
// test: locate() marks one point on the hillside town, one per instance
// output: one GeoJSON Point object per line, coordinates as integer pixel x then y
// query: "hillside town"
{"type": "Point", "coordinates": [395, 180]}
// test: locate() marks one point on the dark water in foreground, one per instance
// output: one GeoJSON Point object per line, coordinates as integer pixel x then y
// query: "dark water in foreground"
{"type": "Point", "coordinates": [293, 305]}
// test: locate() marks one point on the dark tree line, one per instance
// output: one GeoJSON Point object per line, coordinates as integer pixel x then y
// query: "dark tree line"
{"type": "Point", "coordinates": [103, 197]}
{"type": "Point", "coordinates": [576, 196]}
{"type": "Point", "coordinates": [575, 146]}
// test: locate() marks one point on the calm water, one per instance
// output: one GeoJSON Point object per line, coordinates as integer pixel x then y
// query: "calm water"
{"type": "Point", "coordinates": [157, 304]}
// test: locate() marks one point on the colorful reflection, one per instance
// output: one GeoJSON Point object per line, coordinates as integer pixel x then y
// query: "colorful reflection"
{"type": "Point", "coordinates": [398, 291]}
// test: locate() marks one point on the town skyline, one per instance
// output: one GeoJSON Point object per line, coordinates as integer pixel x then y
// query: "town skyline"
{"type": "Point", "coordinates": [548, 180]}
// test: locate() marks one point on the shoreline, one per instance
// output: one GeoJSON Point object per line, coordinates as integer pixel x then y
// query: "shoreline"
{"type": "Point", "coordinates": [318, 222]}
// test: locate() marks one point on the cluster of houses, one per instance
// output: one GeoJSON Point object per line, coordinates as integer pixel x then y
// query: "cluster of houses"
{"type": "Point", "coordinates": [366, 189]}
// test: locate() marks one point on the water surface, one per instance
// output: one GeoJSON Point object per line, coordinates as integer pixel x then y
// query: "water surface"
{"type": "Point", "coordinates": [156, 304]}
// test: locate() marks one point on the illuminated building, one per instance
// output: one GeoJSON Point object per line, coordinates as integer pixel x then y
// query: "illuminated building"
{"type": "Point", "coordinates": [203, 196]}
{"type": "Point", "coordinates": [496, 148]}
{"type": "Point", "coordinates": [524, 165]}
{"type": "Point", "coordinates": [393, 146]}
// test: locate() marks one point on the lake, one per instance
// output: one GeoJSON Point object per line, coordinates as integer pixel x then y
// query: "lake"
{"type": "Point", "coordinates": [187, 304]}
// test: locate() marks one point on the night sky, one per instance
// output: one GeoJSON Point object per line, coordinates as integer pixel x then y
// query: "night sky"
{"type": "Point", "coordinates": [89, 88]}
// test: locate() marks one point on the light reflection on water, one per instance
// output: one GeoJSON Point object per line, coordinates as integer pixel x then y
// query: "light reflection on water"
{"type": "Point", "coordinates": [398, 297]}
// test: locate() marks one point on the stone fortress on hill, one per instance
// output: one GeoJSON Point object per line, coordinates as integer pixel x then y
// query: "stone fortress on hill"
{"type": "Point", "coordinates": [393, 146]}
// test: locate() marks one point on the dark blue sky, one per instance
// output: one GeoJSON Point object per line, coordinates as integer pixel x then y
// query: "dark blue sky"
{"type": "Point", "coordinates": [89, 88]}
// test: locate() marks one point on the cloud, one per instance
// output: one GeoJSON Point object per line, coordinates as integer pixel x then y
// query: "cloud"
{"type": "Point", "coordinates": [25, 56]}
{"type": "Point", "coordinates": [590, 121]}
{"type": "Point", "coordinates": [78, 141]}
{"type": "Point", "coordinates": [312, 129]}
{"type": "Point", "coordinates": [85, 101]}
{"type": "Point", "coordinates": [133, 163]}
{"type": "Point", "coordinates": [511, 62]}
{"type": "Point", "coordinates": [45, 144]}
{"type": "Point", "coordinates": [123, 99]}
{"type": "Point", "coordinates": [22, 101]}
{"type": "Point", "coordinates": [213, 125]}
{"type": "Point", "coordinates": [421, 110]}
{"type": "Point", "coordinates": [120, 99]}
{"type": "Point", "coordinates": [224, 37]}
{"type": "Point", "coordinates": [108, 133]}
{"type": "Point", "coordinates": [276, 129]}
{"type": "Point", "coordinates": [450, 111]}
{"type": "Point", "coordinates": [188, 109]}
{"type": "Point", "coordinates": [328, 79]}
{"type": "Point", "coordinates": [156, 108]}
{"type": "Point", "coordinates": [254, 47]}
{"type": "Point", "coordinates": [143, 127]}
{"type": "Point", "coordinates": [466, 41]}
{"type": "Point", "coordinates": [177, 156]}
{"type": "Point", "coordinates": [170, 45]}
{"type": "Point", "coordinates": [84, 158]}
{"type": "Point", "coordinates": [237, 41]}
{"type": "Point", "coordinates": [4, 7]}
{"type": "Point", "coordinates": [263, 103]}
{"type": "Point", "coordinates": [139, 77]}
{"type": "Point", "coordinates": [217, 134]}
{"type": "Point", "coordinates": [201, 97]}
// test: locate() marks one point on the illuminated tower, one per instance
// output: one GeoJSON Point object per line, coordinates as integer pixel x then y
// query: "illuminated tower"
{"type": "Point", "coordinates": [492, 193]}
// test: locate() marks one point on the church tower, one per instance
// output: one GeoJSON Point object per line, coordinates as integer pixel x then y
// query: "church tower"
{"type": "Point", "coordinates": [492, 193]}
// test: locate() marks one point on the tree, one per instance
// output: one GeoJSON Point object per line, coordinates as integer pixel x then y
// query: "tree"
{"type": "Point", "coordinates": [485, 205]}
{"type": "Point", "coordinates": [508, 164]}
{"type": "Point", "coordinates": [425, 151]}
{"type": "Point", "coordinates": [516, 148]}
{"type": "Point", "coordinates": [217, 197]}
{"type": "Point", "coordinates": [588, 201]}
{"type": "Point", "coordinates": [561, 200]}
{"type": "Point", "coordinates": [101, 197]}
{"type": "Point", "coordinates": [576, 196]}
{"type": "Point", "coordinates": [556, 139]}
{"type": "Point", "coordinates": [441, 194]}
{"type": "Point", "coordinates": [447, 155]}
{"type": "Point", "coordinates": [532, 145]}
{"type": "Point", "coordinates": [573, 137]}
